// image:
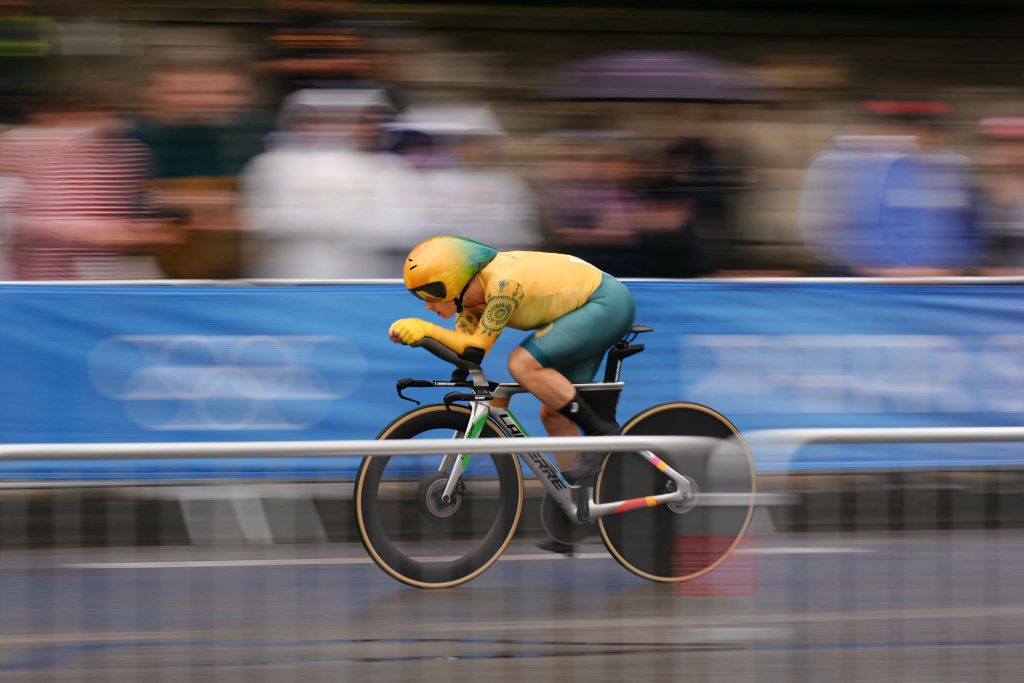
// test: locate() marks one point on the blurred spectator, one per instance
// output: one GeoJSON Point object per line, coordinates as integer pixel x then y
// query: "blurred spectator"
{"type": "Point", "coordinates": [202, 128]}
{"type": "Point", "coordinates": [82, 205]}
{"type": "Point", "coordinates": [1003, 215]}
{"type": "Point", "coordinates": [895, 204]}
{"type": "Point", "coordinates": [591, 200]}
{"type": "Point", "coordinates": [322, 202]}
{"type": "Point", "coordinates": [455, 151]}
{"type": "Point", "coordinates": [686, 227]}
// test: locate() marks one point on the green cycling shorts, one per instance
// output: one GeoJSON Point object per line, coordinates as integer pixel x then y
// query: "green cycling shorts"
{"type": "Point", "coordinates": [576, 343]}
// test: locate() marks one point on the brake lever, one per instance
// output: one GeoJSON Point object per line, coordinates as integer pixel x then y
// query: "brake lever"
{"type": "Point", "coordinates": [403, 384]}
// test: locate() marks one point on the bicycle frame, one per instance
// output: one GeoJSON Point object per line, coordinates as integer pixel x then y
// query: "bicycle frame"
{"type": "Point", "coordinates": [496, 406]}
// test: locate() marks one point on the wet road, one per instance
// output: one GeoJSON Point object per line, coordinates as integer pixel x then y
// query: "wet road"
{"type": "Point", "coordinates": [923, 606]}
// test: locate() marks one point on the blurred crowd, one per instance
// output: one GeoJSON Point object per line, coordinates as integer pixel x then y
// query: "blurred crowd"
{"type": "Point", "coordinates": [308, 150]}
{"type": "Point", "coordinates": [898, 200]}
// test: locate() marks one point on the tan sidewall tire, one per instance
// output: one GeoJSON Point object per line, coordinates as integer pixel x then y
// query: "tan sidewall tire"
{"type": "Point", "coordinates": [361, 522]}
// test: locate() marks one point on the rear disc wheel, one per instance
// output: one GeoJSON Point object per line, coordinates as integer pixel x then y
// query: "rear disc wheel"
{"type": "Point", "coordinates": [688, 539]}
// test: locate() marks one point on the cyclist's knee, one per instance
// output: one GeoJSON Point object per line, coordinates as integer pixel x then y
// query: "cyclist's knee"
{"type": "Point", "coordinates": [521, 363]}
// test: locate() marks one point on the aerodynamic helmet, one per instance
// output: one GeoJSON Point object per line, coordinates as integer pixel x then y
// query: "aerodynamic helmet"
{"type": "Point", "coordinates": [440, 268]}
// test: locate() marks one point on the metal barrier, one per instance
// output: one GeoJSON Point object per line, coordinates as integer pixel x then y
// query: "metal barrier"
{"type": "Point", "coordinates": [778, 446]}
{"type": "Point", "coordinates": [238, 510]}
{"type": "Point", "coordinates": [849, 435]}
{"type": "Point", "coordinates": [118, 584]}
{"type": "Point", "coordinates": [558, 444]}
{"type": "Point", "coordinates": [764, 443]}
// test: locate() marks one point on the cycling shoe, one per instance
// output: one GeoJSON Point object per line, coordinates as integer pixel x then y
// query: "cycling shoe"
{"type": "Point", "coordinates": [552, 546]}
{"type": "Point", "coordinates": [583, 471]}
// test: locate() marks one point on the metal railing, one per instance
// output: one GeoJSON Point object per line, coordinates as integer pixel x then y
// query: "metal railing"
{"type": "Point", "coordinates": [795, 438]}
{"type": "Point", "coordinates": [855, 435]}
{"type": "Point", "coordinates": [776, 446]}
{"type": "Point", "coordinates": [557, 444]}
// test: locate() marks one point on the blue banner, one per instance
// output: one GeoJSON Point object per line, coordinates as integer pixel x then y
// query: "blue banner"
{"type": "Point", "coordinates": [163, 362]}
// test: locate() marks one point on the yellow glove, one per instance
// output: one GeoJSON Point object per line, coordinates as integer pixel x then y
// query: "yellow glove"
{"type": "Point", "coordinates": [409, 330]}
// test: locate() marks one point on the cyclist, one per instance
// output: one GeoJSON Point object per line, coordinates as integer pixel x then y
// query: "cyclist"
{"type": "Point", "coordinates": [576, 311]}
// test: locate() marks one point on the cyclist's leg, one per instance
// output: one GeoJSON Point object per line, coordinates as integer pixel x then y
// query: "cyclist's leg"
{"type": "Point", "coordinates": [570, 350]}
{"type": "Point", "coordinates": [557, 424]}
{"type": "Point", "coordinates": [549, 385]}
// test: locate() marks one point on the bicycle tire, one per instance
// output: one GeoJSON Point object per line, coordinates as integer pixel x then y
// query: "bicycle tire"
{"type": "Point", "coordinates": [655, 542]}
{"type": "Point", "coordinates": [382, 544]}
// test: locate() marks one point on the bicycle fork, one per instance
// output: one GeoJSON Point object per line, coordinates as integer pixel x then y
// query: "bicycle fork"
{"type": "Point", "coordinates": [456, 464]}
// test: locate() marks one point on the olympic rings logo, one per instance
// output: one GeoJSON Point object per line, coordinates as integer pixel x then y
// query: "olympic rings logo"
{"type": "Point", "coordinates": [197, 382]}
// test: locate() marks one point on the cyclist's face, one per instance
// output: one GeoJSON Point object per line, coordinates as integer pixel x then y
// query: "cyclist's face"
{"type": "Point", "coordinates": [445, 309]}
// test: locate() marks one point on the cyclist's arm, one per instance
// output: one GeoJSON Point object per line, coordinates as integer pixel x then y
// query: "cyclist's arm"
{"type": "Point", "coordinates": [489, 323]}
{"type": "Point", "coordinates": [467, 321]}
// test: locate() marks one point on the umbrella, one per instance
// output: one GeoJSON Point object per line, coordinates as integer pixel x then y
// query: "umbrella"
{"type": "Point", "coordinates": [667, 76]}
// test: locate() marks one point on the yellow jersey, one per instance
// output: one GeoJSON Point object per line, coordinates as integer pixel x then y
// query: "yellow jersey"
{"type": "Point", "coordinates": [524, 290]}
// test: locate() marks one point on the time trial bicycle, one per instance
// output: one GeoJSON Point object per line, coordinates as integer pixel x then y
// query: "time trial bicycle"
{"type": "Point", "coordinates": [668, 517]}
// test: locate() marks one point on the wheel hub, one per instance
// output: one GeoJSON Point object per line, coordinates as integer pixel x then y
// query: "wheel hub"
{"type": "Point", "coordinates": [435, 502]}
{"type": "Point", "coordinates": [688, 502]}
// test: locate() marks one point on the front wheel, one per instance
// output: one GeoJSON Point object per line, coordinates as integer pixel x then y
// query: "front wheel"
{"type": "Point", "coordinates": [681, 542]}
{"type": "Point", "coordinates": [410, 531]}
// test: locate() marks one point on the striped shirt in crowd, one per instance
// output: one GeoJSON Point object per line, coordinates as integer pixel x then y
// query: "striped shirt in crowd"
{"type": "Point", "coordinates": [69, 174]}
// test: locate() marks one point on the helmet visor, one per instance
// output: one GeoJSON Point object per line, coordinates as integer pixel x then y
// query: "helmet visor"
{"type": "Point", "coordinates": [432, 291]}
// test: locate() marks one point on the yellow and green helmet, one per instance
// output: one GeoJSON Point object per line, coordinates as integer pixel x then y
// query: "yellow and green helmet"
{"type": "Point", "coordinates": [440, 268]}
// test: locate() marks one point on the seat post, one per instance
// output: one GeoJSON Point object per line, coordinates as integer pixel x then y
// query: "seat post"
{"type": "Point", "coordinates": [623, 349]}
{"type": "Point", "coordinates": [613, 368]}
